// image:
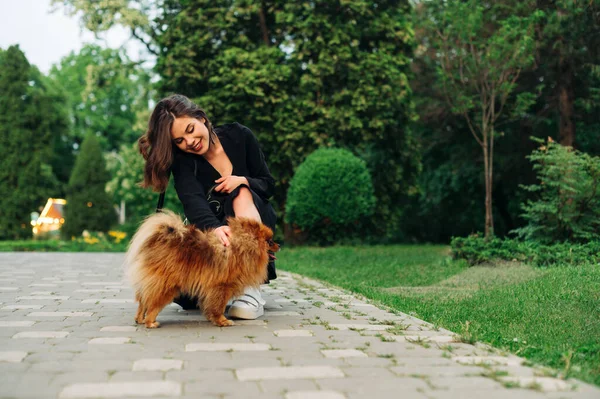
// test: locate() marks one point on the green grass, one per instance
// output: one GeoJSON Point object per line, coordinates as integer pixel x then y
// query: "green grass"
{"type": "Point", "coordinates": [550, 316]}
{"type": "Point", "coordinates": [61, 246]}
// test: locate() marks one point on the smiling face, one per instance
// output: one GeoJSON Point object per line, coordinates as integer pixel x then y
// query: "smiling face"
{"type": "Point", "coordinates": [190, 135]}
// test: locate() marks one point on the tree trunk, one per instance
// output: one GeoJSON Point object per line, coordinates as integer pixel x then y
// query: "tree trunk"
{"type": "Point", "coordinates": [263, 24]}
{"type": "Point", "coordinates": [489, 218]}
{"type": "Point", "coordinates": [566, 99]}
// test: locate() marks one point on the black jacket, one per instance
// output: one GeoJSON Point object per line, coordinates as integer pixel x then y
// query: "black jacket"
{"type": "Point", "coordinates": [194, 175]}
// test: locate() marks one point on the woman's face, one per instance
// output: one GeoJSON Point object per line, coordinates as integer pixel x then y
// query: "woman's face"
{"type": "Point", "coordinates": [190, 135]}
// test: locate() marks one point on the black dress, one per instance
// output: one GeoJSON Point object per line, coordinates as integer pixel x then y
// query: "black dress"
{"type": "Point", "coordinates": [194, 176]}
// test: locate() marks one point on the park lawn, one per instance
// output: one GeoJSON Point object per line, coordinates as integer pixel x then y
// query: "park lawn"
{"type": "Point", "coordinates": [550, 316]}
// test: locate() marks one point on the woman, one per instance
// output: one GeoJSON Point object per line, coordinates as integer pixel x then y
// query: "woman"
{"type": "Point", "coordinates": [218, 172]}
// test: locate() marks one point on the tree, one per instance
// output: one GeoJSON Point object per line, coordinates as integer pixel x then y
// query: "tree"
{"type": "Point", "coordinates": [479, 59]}
{"type": "Point", "coordinates": [29, 117]}
{"type": "Point", "coordinates": [105, 91]}
{"type": "Point", "coordinates": [88, 207]}
{"type": "Point", "coordinates": [571, 45]}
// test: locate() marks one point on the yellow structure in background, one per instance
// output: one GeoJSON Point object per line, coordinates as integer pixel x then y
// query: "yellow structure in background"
{"type": "Point", "coordinates": [51, 219]}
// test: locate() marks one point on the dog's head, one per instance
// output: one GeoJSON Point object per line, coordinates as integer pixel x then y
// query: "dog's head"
{"type": "Point", "coordinates": [262, 232]}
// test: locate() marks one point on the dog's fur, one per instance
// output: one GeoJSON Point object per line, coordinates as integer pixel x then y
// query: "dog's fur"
{"type": "Point", "coordinates": [167, 258]}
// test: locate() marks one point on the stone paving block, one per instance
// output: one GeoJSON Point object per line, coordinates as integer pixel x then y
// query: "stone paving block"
{"type": "Point", "coordinates": [43, 297]}
{"type": "Point", "coordinates": [16, 323]}
{"type": "Point", "coordinates": [60, 314]}
{"type": "Point", "coordinates": [374, 387]}
{"type": "Point", "coordinates": [157, 364]}
{"type": "Point", "coordinates": [410, 369]}
{"type": "Point", "coordinates": [343, 353]}
{"type": "Point", "coordinates": [134, 376]}
{"type": "Point", "coordinates": [118, 329]}
{"type": "Point", "coordinates": [286, 373]}
{"type": "Point", "coordinates": [546, 384]}
{"type": "Point", "coordinates": [220, 389]}
{"type": "Point", "coordinates": [41, 334]}
{"type": "Point", "coordinates": [29, 385]}
{"type": "Point", "coordinates": [109, 341]}
{"type": "Point", "coordinates": [478, 394]}
{"type": "Point", "coordinates": [211, 347]}
{"type": "Point", "coordinates": [281, 386]}
{"type": "Point", "coordinates": [293, 333]}
{"type": "Point", "coordinates": [488, 360]}
{"type": "Point", "coordinates": [469, 382]}
{"type": "Point", "coordinates": [20, 307]}
{"type": "Point", "coordinates": [193, 374]}
{"type": "Point", "coordinates": [314, 395]}
{"type": "Point", "coordinates": [280, 314]}
{"type": "Point", "coordinates": [122, 389]}
{"type": "Point", "coordinates": [117, 301]}
{"type": "Point", "coordinates": [12, 356]}
{"type": "Point", "coordinates": [367, 372]}
{"type": "Point", "coordinates": [360, 327]}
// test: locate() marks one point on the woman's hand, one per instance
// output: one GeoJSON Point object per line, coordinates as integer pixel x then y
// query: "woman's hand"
{"type": "Point", "coordinates": [223, 232]}
{"type": "Point", "coordinates": [229, 183]}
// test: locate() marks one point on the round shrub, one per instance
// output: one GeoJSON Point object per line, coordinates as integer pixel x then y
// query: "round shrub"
{"type": "Point", "coordinates": [330, 192]}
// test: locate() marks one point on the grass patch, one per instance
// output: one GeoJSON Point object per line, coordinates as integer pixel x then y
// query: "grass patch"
{"type": "Point", "coordinates": [549, 316]}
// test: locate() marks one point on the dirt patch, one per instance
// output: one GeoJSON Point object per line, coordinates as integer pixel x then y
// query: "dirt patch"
{"type": "Point", "coordinates": [469, 281]}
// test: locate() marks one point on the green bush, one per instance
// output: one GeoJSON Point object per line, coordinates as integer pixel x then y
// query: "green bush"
{"type": "Point", "coordinates": [330, 196]}
{"type": "Point", "coordinates": [568, 203]}
{"type": "Point", "coordinates": [475, 249]}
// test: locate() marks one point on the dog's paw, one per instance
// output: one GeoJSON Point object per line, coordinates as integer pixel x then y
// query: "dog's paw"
{"type": "Point", "coordinates": [139, 321]}
{"type": "Point", "coordinates": [223, 322]}
{"type": "Point", "coordinates": [155, 324]}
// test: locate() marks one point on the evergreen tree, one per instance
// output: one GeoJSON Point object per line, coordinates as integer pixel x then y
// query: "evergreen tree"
{"type": "Point", "coordinates": [88, 205]}
{"type": "Point", "coordinates": [27, 122]}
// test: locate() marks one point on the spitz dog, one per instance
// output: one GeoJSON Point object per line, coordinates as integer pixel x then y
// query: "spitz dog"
{"type": "Point", "coordinates": [166, 258]}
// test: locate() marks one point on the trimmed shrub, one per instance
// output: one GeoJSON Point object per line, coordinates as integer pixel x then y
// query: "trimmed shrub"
{"type": "Point", "coordinates": [329, 197]}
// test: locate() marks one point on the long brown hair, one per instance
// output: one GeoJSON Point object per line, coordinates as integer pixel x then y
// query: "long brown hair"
{"type": "Point", "coordinates": [156, 145]}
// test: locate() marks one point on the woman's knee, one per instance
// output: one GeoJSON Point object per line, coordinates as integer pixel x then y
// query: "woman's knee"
{"type": "Point", "coordinates": [244, 196]}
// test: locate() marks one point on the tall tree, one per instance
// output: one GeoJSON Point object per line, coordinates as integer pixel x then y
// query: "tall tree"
{"type": "Point", "coordinates": [89, 206]}
{"type": "Point", "coordinates": [570, 49]}
{"type": "Point", "coordinates": [479, 58]}
{"type": "Point", "coordinates": [29, 117]}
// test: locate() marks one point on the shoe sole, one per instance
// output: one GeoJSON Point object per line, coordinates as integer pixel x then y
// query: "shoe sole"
{"type": "Point", "coordinates": [245, 314]}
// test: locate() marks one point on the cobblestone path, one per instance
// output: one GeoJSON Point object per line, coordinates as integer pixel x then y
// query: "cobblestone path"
{"type": "Point", "coordinates": [67, 331]}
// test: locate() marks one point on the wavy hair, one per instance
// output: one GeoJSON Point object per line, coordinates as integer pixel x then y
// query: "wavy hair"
{"type": "Point", "coordinates": [156, 145]}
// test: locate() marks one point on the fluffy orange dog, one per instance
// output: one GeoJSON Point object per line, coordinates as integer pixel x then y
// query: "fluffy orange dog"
{"type": "Point", "coordinates": [167, 258]}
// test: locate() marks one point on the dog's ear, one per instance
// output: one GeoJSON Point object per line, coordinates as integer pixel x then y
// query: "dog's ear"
{"type": "Point", "coordinates": [265, 232]}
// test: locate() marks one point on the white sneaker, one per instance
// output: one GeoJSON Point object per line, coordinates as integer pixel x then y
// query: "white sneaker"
{"type": "Point", "coordinates": [249, 306]}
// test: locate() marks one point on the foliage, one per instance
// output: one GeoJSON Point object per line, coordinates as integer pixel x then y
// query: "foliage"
{"type": "Point", "coordinates": [114, 241]}
{"type": "Point", "coordinates": [88, 205]}
{"type": "Point", "coordinates": [300, 75]}
{"type": "Point", "coordinates": [478, 63]}
{"type": "Point", "coordinates": [330, 191]}
{"type": "Point", "coordinates": [29, 121]}
{"type": "Point", "coordinates": [568, 203]}
{"type": "Point", "coordinates": [126, 168]}
{"type": "Point", "coordinates": [476, 250]}
{"type": "Point", "coordinates": [105, 91]}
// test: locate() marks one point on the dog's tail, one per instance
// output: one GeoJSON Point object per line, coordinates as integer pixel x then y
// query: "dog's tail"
{"type": "Point", "coordinates": [165, 223]}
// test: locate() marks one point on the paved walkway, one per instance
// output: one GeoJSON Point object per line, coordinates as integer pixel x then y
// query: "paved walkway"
{"type": "Point", "coordinates": [67, 331]}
